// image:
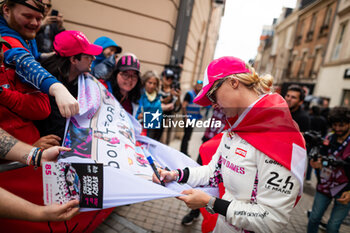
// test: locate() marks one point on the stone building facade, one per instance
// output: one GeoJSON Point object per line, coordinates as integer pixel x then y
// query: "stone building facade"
{"type": "Point", "coordinates": [148, 29]}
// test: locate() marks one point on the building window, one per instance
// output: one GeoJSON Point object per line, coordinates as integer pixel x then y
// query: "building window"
{"type": "Point", "coordinates": [325, 27]}
{"type": "Point", "coordinates": [346, 98]}
{"type": "Point", "coordinates": [339, 41]}
{"type": "Point", "coordinates": [300, 33]}
{"type": "Point", "coordinates": [291, 66]}
{"type": "Point", "coordinates": [327, 19]}
{"type": "Point", "coordinates": [316, 63]}
{"type": "Point", "coordinates": [302, 65]}
{"type": "Point", "coordinates": [310, 33]}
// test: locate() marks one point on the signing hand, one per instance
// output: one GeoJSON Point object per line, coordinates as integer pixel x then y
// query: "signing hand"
{"type": "Point", "coordinates": [194, 198]}
{"type": "Point", "coordinates": [48, 141]}
{"type": "Point", "coordinates": [344, 198]}
{"type": "Point", "coordinates": [166, 176]}
{"type": "Point", "coordinates": [51, 154]}
{"type": "Point", "coordinates": [56, 212]}
{"type": "Point", "coordinates": [66, 103]}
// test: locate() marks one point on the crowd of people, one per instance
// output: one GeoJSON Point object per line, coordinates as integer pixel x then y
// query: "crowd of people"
{"type": "Point", "coordinates": [332, 165]}
{"type": "Point", "coordinates": [40, 66]}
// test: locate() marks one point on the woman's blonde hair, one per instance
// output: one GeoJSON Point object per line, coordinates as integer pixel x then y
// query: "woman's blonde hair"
{"type": "Point", "coordinates": [149, 74]}
{"type": "Point", "coordinates": [260, 84]}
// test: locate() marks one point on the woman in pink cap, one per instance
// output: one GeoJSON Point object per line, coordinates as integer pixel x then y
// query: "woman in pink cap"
{"type": "Point", "coordinates": [260, 159]}
{"type": "Point", "coordinates": [125, 82]}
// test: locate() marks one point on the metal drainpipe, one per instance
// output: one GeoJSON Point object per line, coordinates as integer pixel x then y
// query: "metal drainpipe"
{"type": "Point", "coordinates": [205, 41]}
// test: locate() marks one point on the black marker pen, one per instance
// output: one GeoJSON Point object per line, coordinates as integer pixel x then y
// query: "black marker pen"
{"type": "Point", "coordinates": [150, 160]}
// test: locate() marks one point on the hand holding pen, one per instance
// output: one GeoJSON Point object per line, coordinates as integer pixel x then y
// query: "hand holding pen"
{"type": "Point", "coordinates": [156, 173]}
{"type": "Point", "coordinates": [165, 176]}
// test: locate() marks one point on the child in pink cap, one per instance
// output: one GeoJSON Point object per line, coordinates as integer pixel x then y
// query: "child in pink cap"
{"type": "Point", "coordinates": [74, 55]}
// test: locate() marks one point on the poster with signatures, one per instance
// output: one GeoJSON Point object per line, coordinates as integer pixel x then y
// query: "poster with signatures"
{"type": "Point", "coordinates": [66, 181]}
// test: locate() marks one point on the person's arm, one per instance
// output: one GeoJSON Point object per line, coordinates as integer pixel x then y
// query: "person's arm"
{"type": "Point", "coordinates": [176, 99]}
{"type": "Point", "coordinates": [30, 71]}
{"type": "Point", "coordinates": [167, 107]}
{"type": "Point", "coordinates": [15, 150]}
{"type": "Point", "coordinates": [44, 56]}
{"type": "Point", "coordinates": [104, 68]}
{"type": "Point", "coordinates": [345, 196]}
{"type": "Point", "coordinates": [14, 207]}
{"type": "Point", "coordinates": [47, 141]}
{"type": "Point", "coordinates": [185, 103]}
{"type": "Point", "coordinates": [204, 175]}
{"type": "Point", "coordinates": [32, 106]}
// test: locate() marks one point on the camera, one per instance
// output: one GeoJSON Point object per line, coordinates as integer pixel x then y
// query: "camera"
{"type": "Point", "coordinates": [173, 71]}
{"type": "Point", "coordinates": [331, 161]}
{"type": "Point", "coordinates": [54, 13]}
{"type": "Point", "coordinates": [314, 142]}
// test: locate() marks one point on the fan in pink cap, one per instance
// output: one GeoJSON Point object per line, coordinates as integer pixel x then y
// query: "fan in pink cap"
{"type": "Point", "coordinates": [218, 69]}
{"type": "Point", "coordinates": [70, 43]}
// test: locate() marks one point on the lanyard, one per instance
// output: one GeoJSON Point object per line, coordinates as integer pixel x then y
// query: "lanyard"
{"type": "Point", "coordinates": [340, 148]}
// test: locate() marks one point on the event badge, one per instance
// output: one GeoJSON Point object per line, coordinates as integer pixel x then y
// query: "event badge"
{"type": "Point", "coordinates": [325, 173]}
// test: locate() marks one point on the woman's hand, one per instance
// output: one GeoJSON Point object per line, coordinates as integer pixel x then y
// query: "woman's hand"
{"type": "Point", "coordinates": [56, 212]}
{"type": "Point", "coordinates": [49, 19]}
{"type": "Point", "coordinates": [176, 92]}
{"type": "Point", "coordinates": [345, 198]}
{"type": "Point", "coordinates": [194, 198]}
{"type": "Point", "coordinates": [51, 154]}
{"type": "Point", "coordinates": [167, 99]}
{"type": "Point", "coordinates": [167, 107]}
{"type": "Point", "coordinates": [165, 176]}
{"type": "Point", "coordinates": [66, 103]}
{"type": "Point", "coordinates": [48, 141]}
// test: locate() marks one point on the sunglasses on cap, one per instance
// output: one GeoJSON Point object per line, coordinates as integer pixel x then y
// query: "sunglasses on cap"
{"type": "Point", "coordinates": [199, 82]}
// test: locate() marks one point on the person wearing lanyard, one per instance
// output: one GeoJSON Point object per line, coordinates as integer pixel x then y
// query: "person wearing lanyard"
{"type": "Point", "coordinates": [260, 160]}
{"type": "Point", "coordinates": [334, 174]}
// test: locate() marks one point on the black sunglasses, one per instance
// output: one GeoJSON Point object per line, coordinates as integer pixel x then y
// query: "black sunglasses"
{"type": "Point", "coordinates": [211, 93]}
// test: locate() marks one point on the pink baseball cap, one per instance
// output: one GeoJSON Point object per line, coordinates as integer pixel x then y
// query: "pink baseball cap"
{"type": "Point", "coordinates": [217, 69]}
{"type": "Point", "coordinates": [70, 43]}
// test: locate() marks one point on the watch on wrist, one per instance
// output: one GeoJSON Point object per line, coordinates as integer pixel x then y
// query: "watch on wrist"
{"type": "Point", "coordinates": [210, 206]}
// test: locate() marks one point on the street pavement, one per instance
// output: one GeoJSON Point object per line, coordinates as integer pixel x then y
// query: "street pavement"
{"type": "Point", "coordinates": [165, 215]}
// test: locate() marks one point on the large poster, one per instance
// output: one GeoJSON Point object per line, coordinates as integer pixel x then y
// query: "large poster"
{"type": "Point", "coordinates": [104, 132]}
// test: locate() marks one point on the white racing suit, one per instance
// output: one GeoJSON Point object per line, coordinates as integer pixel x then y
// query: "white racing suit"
{"type": "Point", "coordinates": [265, 208]}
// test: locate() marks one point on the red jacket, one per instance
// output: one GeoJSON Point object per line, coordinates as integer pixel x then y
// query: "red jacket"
{"type": "Point", "coordinates": [20, 105]}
